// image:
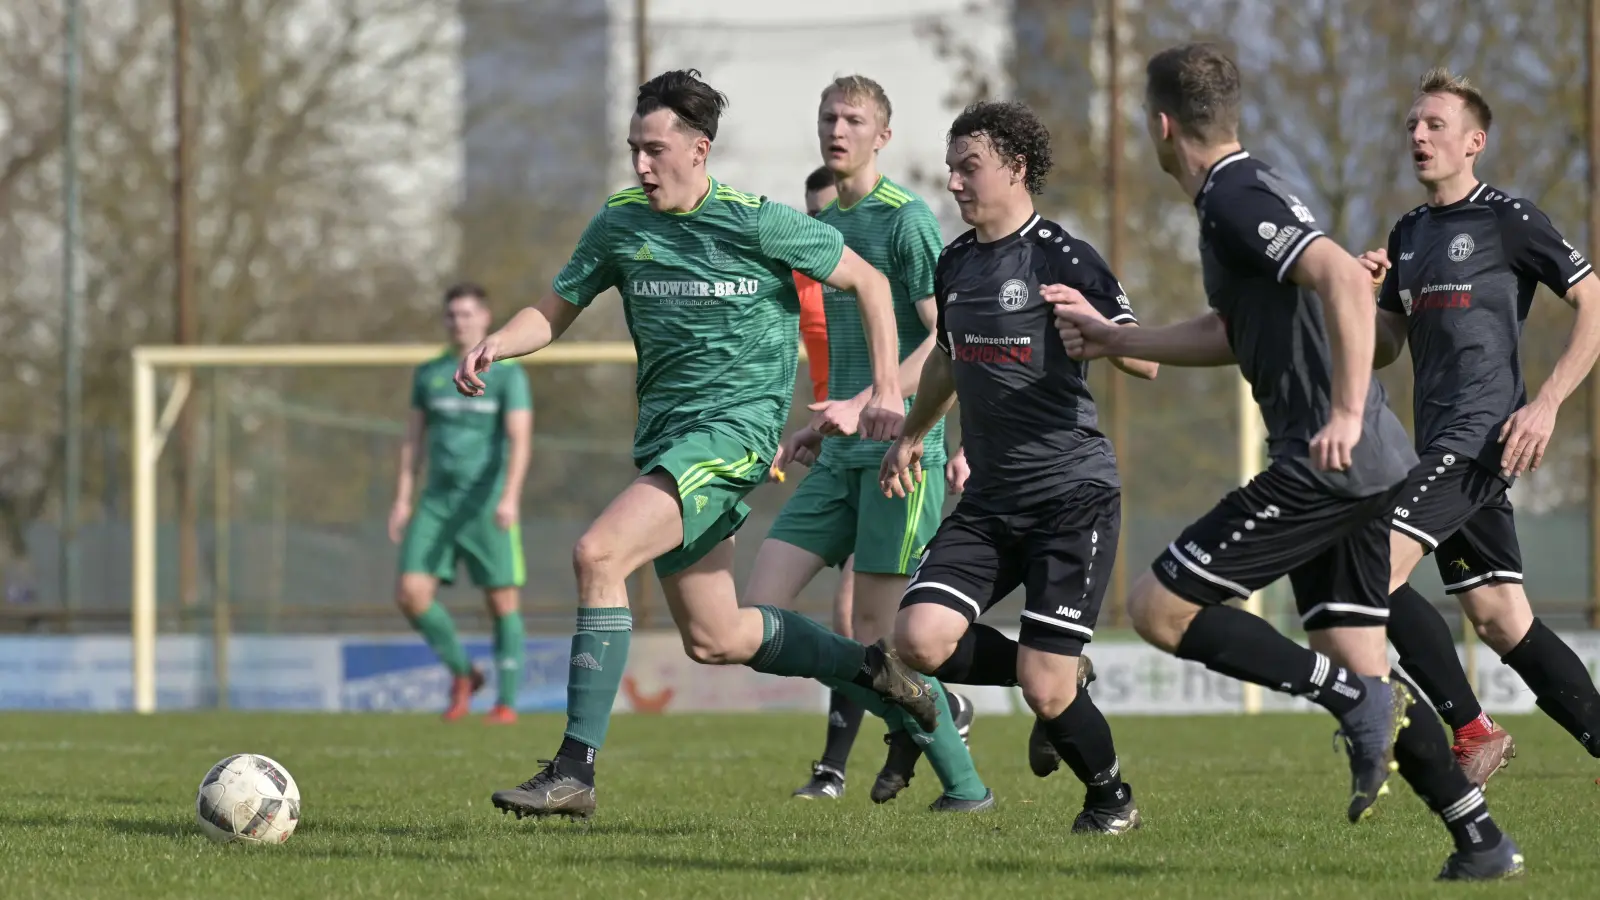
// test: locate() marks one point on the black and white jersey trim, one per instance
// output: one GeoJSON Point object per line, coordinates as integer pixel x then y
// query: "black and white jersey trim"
{"type": "Point", "coordinates": [1221, 164]}
{"type": "Point", "coordinates": [1514, 577]}
{"type": "Point", "coordinates": [1352, 609]}
{"type": "Point", "coordinates": [1195, 567]}
{"type": "Point", "coordinates": [936, 586]}
{"type": "Point", "coordinates": [1058, 623]}
{"type": "Point", "coordinates": [1294, 253]}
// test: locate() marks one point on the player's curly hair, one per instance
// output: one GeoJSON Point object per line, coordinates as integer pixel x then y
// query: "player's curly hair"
{"type": "Point", "coordinates": [1016, 134]}
{"type": "Point", "coordinates": [698, 105]}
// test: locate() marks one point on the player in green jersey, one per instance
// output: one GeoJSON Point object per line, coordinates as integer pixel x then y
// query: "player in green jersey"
{"type": "Point", "coordinates": [477, 452]}
{"type": "Point", "coordinates": [706, 278]}
{"type": "Point", "coordinates": [838, 510]}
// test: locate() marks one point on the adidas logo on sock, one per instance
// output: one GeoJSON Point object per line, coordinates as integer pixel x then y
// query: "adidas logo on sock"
{"type": "Point", "coordinates": [585, 661]}
{"type": "Point", "coordinates": [923, 739]}
{"type": "Point", "coordinates": [835, 720]}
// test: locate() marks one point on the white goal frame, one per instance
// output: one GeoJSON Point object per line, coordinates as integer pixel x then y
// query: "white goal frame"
{"type": "Point", "coordinates": [153, 422]}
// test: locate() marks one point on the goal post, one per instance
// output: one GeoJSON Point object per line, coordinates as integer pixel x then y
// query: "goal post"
{"type": "Point", "coordinates": [154, 418]}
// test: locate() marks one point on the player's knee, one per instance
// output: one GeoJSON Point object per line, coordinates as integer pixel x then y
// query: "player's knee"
{"type": "Point", "coordinates": [1158, 615]}
{"type": "Point", "coordinates": [713, 646]}
{"type": "Point", "coordinates": [923, 637]}
{"type": "Point", "coordinates": [593, 558]}
{"type": "Point", "coordinates": [413, 596]}
{"type": "Point", "coordinates": [1047, 697]}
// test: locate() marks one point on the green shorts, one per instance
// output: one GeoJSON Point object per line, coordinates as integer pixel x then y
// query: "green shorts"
{"type": "Point", "coordinates": [445, 531]}
{"type": "Point", "coordinates": [714, 472]}
{"type": "Point", "coordinates": [839, 511]}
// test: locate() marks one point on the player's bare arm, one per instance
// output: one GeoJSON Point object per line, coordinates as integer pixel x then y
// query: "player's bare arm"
{"type": "Point", "coordinates": [532, 329]}
{"type": "Point", "coordinates": [406, 480]}
{"type": "Point", "coordinates": [1199, 342]}
{"type": "Point", "coordinates": [1350, 312]}
{"type": "Point", "coordinates": [902, 468]}
{"type": "Point", "coordinates": [1060, 295]}
{"type": "Point", "coordinates": [881, 416]}
{"type": "Point", "coordinates": [800, 447]}
{"type": "Point", "coordinates": [1390, 338]}
{"type": "Point", "coordinates": [1527, 433]}
{"type": "Point", "coordinates": [519, 452]}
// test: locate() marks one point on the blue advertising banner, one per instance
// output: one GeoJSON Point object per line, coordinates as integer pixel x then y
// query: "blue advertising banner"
{"type": "Point", "coordinates": [402, 674]}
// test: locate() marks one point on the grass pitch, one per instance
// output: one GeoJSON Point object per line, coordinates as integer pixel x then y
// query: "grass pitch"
{"type": "Point", "coordinates": [699, 806]}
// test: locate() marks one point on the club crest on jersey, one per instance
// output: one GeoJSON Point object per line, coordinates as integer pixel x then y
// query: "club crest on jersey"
{"type": "Point", "coordinates": [1461, 247]}
{"type": "Point", "coordinates": [716, 253]}
{"type": "Point", "coordinates": [1013, 295]}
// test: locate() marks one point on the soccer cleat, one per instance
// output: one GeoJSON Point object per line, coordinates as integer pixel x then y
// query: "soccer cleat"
{"type": "Point", "coordinates": [898, 767]}
{"type": "Point", "coordinates": [462, 687]}
{"type": "Point", "coordinates": [1369, 732]}
{"type": "Point", "coordinates": [898, 685]}
{"type": "Point", "coordinates": [961, 711]}
{"type": "Point", "coordinates": [501, 715]}
{"type": "Point", "coordinates": [827, 783]}
{"type": "Point", "coordinates": [1042, 756]}
{"type": "Point", "coordinates": [1119, 820]}
{"type": "Point", "coordinates": [552, 792]}
{"type": "Point", "coordinates": [947, 803]}
{"type": "Point", "coordinates": [1503, 860]}
{"type": "Point", "coordinates": [1482, 755]}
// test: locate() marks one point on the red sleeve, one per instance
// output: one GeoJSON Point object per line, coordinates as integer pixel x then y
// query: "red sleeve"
{"type": "Point", "coordinates": [814, 333]}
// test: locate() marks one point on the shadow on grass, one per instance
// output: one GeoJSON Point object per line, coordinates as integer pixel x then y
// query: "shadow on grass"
{"type": "Point", "coordinates": [858, 866]}
{"type": "Point", "coordinates": [173, 829]}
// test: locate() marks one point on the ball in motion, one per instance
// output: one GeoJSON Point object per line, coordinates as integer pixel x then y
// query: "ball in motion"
{"type": "Point", "coordinates": [248, 797]}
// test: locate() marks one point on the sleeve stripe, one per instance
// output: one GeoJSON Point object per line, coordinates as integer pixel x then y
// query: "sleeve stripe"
{"type": "Point", "coordinates": [1125, 317]}
{"type": "Point", "coordinates": [1580, 273]}
{"type": "Point", "coordinates": [1294, 254]}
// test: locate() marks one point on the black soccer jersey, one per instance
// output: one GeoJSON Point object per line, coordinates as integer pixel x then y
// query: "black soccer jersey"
{"type": "Point", "coordinates": [1253, 230]}
{"type": "Point", "coordinates": [1028, 422]}
{"type": "Point", "coordinates": [1464, 276]}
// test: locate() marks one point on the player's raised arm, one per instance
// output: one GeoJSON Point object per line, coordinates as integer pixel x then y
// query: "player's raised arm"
{"type": "Point", "coordinates": [1199, 342]}
{"type": "Point", "coordinates": [591, 270]}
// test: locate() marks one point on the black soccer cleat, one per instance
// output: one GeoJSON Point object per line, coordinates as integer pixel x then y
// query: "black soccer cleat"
{"type": "Point", "coordinates": [1369, 732]}
{"type": "Point", "coordinates": [898, 685]}
{"type": "Point", "coordinates": [1108, 820]}
{"type": "Point", "coordinates": [552, 792]}
{"type": "Point", "coordinates": [827, 783]}
{"type": "Point", "coordinates": [947, 803]}
{"type": "Point", "coordinates": [1042, 756]}
{"type": "Point", "coordinates": [1503, 860]}
{"type": "Point", "coordinates": [961, 712]}
{"type": "Point", "coordinates": [898, 767]}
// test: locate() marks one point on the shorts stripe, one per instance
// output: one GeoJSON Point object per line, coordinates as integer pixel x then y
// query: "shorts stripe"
{"type": "Point", "coordinates": [1489, 576]}
{"type": "Point", "coordinates": [908, 541]}
{"type": "Point", "coordinates": [936, 586]}
{"type": "Point", "coordinates": [1058, 623]}
{"type": "Point", "coordinates": [1423, 536]}
{"type": "Point", "coordinates": [1214, 579]}
{"type": "Point", "coordinates": [1355, 609]}
{"type": "Point", "coordinates": [699, 475]}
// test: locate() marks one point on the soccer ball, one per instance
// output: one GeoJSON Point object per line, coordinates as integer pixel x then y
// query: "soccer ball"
{"type": "Point", "coordinates": [248, 797]}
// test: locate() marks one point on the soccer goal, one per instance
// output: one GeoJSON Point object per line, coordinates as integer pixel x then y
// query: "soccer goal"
{"type": "Point", "coordinates": [297, 443]}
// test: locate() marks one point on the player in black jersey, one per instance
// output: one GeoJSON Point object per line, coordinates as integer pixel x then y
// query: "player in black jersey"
{"type": "Point", "coordinates": [1042, 504]}
{"type": "Point", "coordinates": [1457, 279]}
{"type": "Point", "coordinates": [1294, 310]}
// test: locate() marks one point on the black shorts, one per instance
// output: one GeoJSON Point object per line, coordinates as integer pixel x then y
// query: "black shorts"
{"type": "Point", "coordinates": [1062, 555]}
{"type": "Point", "coordinates": [1334, 549]}
{"type": "Point", "coordinates": [1457, 509]}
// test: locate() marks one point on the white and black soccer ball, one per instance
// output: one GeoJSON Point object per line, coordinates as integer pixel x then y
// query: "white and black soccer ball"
{"type": "Point", "coordinates": [248, 797]}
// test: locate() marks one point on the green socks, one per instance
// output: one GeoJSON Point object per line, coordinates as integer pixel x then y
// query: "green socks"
{"type": "Point", "coordinates": [508, 646]}
{"type": "Point", "coordinates": [599, 654]}
{"type": "Point", "coordinates": [793, 645]}
{"type": "Point", "coordinates": [439, 630]}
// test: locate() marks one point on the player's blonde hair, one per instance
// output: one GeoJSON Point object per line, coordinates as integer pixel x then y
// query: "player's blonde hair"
{"type": "Point", "coordinates": [1440, 80]}
{"type": "Point", "coordinates": [858, 89]}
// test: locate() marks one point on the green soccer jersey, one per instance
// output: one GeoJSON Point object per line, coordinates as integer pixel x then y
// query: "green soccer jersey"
{"type": "Point", "coordinates": [709, 298]}
{"type": "Point", "coordinates": [467, 435]}
{"type": "Point", "coordinates": [895, 231]}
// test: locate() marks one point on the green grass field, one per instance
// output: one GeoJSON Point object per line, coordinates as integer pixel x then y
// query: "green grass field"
{"type": "Point", "coordinates": [699, 806]}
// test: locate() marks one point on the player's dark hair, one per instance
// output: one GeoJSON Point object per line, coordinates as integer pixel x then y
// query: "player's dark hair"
{"type": "Point", "coordinates": [820, 178]}
{"type": "Point", "coordinates": [466, 289]}
{"type": "Point", "coordinates": [1198, 86]}
{"type": "Point", "coordinates": [1015, 133]}
{"type": "Point", "coordinates": [1440, 80]}
{"type": "Point", "coordinates": [698, 105]}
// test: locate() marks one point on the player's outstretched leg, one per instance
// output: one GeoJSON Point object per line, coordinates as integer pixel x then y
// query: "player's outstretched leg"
{"type": "Point", "coordinates": [1482, 852]}
{"type": "Point", "coordinates": [1077, 730]}
{"type": "Point", "coordinates": [438, 630]}
{"type": "Point", "coordinates": [1428, 654]}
